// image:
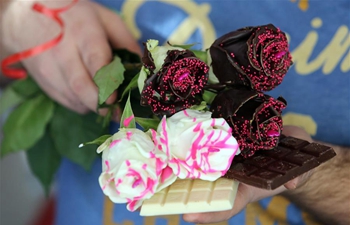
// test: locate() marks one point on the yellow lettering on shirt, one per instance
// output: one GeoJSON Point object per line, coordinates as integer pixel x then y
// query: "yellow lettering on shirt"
{"type": "Point", "coordinates": [108, 209]}
{"type": "Point", "coordinates": [170, 220]}
{"type": "Point", "coordinates": [301, 120]}
{"type": "Point", "coordinates": [329, 57]}
{"type": "Point", "coordinates": [345, 66]}
{"type": "Point", "coordinates": [197, 19]}
{"type": "Point", "coordinates": [303, 4]}
{"type": "Point", "coordinates": [274, 214]}
{"type": "Point", "coordinates": [335, 53]}
{"type": "Point", "coordinates": [308, 220]}
{"type": "Point", "coordinates": [219, 223]}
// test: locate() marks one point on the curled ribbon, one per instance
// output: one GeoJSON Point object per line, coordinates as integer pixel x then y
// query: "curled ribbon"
{"type": "Point", "coordinates": [19, 73]}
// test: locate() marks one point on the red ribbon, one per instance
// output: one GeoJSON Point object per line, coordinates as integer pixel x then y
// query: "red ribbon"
{"type": "Point", "coordinates": [18, 73]}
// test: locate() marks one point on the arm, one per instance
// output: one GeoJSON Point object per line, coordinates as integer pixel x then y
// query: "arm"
{"type": "Point", "coordinates": [324, 191]}
{"type": "Point", "coordinates": [326, 194]}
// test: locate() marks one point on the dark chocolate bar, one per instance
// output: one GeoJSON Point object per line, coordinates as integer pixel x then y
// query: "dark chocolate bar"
{"type": "Point", "coordinates": [269, 169]}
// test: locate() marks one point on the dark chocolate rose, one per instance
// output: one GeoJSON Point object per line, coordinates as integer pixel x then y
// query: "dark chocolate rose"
{"type": "Point", "coordinates": [257, 57]}
{"type": "Point", "coordinates": [255, 118]}
{"type": "Point", "coordinates": [177, 83]}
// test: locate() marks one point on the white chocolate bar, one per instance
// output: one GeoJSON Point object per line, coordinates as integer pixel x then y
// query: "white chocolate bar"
{"type": "Point", "coordinates": [192, 196]}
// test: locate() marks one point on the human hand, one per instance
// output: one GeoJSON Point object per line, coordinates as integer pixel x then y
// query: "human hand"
{"type": "Point", "coordinates": [65, 71]}
{"type": "Point", "coordinates": [247, 194]}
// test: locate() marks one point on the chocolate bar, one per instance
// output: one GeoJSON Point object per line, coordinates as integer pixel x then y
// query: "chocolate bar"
{"type": "Point", "coordinates": [269, 169]}
{"type": "Point", "coordinates": [192, 196]}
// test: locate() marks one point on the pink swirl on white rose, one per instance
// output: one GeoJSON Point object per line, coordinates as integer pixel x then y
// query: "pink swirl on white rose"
{"type": "Point", "coordinates": [132, 168]}
{"type": "Point", "coordinates": [197, 145]}
{"type": "Point", "coordinates": [128, 120]}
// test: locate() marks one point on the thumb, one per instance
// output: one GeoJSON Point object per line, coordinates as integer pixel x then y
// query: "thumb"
{"type": "Point", "coordinates": [117, 31]}
{"type": "Point", "coordinates": [296, 132]}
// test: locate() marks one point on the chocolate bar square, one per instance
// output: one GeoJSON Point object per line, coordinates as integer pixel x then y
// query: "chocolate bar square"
{"type": "Point", "coordinates": [270, 169]}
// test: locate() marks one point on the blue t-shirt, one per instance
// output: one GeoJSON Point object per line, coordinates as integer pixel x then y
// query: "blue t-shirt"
{"type": "Point", "coordinates": [317, 89]}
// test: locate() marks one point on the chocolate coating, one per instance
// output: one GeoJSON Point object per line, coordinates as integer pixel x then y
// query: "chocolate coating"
{"type": "Point", "coordinates": [269, 169]}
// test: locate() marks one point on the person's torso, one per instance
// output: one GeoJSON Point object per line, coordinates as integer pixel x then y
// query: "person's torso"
{"type": "Point", "coordinates": [317, 87]}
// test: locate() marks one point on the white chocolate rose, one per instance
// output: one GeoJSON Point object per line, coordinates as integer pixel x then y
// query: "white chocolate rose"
{"type": "Point", "coordinates": [133, 169]}
{"type": "Point", "coordinates": [197, 145]}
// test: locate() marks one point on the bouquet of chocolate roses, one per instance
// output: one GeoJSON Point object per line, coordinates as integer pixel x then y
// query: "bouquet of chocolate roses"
{"type": "Point", "coordinates": [197, 111]}
{"type": "Point", "coordinates": [206, 107]}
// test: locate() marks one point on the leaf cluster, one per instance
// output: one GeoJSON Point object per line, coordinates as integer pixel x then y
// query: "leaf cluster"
{"type": "Point", "coordinates": [48, 132]}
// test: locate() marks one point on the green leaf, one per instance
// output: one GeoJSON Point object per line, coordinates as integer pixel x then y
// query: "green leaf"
{"type": "Point", "coordinates": [202, 55]}
{"type": "Point", "coordinates": [131, 85]}
{"type": "Point", "coordinates": [147, 123]}
{"type": "Point", "coordinates": [108, 79]}
{"type": "Point", "coordinates": [208, 96]}
{"type": "Point", "coordinates": [26, 87]}
{"type": "Point", "coordinates": [97, 141]}
{"type": "Point", "coordinates": [202, 106]}
{"type": "Point", "coordinates": [70, 129]}
{"type": "Point", "coordinates": [17, 92]}
{"type": "Point", "coordinates": [26, 124]}
{"type": "Point", "coordinates": [108, 117]}
{"type": "Point", "coordinates": [44, 161]}
{"type": "Point", "coordinates": [185, 46]}
{"type": "Point", "coordinates": [127, 120]}
{"type": "Point", "coordinates": [9, 99]}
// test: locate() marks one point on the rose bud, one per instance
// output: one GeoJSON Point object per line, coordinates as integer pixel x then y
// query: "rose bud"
{"type": "Point", "coordinates": [176, 85]}
{"type": "Point", "coordinates": [257, 57]}
{"type": "Point", "coordinates": [255, 118]}
{"type": "Point", "coordinates": [153, 59]}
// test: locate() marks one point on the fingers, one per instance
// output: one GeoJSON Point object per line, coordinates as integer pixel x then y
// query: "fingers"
{"type": "Point", "coordinates": [90, 51]}
{"type": "Point", "coordinates": [64, 101]}
{"type": "Point", "coordinates": [297, 132]}
{"type": "Point", "coordinates": [298, 181]}
{"type": "Point", "coordinates": [116, 30]}
{"type": "Point", "coordinates": [95, 52]}
{"type": "Point", "coordinates": [93, 46]}
{"type": "Point", "coordinates": [49, 78]}
{"type": "Point", "coordinates": [211, 217]}
{"type": "Point", "coordinates": [290, 185]}
{"type": "Point", "coordinates": [77, 77]}
{"type": "Point", "coordinates": [117, 114]}
{"type": "Point", "coordinates": [243, 197]}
